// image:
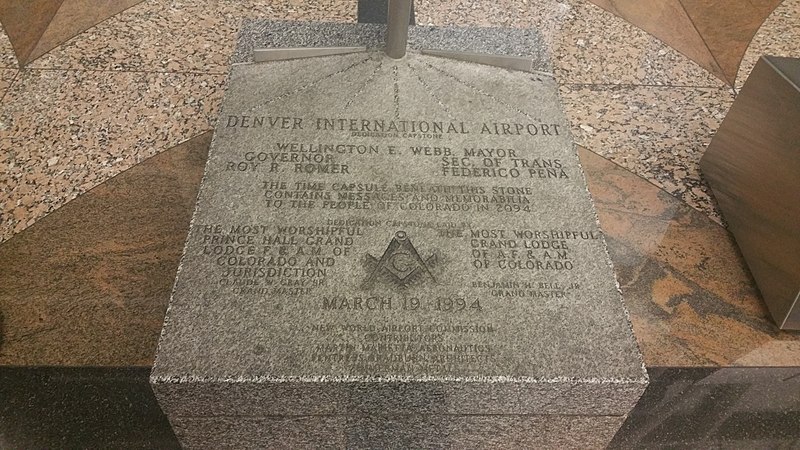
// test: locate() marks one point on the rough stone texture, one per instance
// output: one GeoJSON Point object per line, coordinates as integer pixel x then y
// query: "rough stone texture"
{"type": "Point", "coordinates": [383, 282]}
{"type": "Point", "coordinates": [81, 407]}
{"type": "Point", "coordinates": [713, 407]}
{"type": "Point", "coordinates": [398, 432]}
{"type": "Point", "coordinates": [496, 41]}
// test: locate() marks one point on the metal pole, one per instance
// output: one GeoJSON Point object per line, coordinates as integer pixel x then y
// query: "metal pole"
{"type": "Point", "coordinates": [398, 19]}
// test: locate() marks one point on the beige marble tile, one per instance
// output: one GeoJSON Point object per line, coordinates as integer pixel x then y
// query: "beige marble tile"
{"type": "Point", "coordinates": [779, 35]}
{"type": "Point", "coordinates": [180, 35]}
{"type": "Point", "coordinates": [543, 14]}
{"type": "Point", "coordinates": [658, 133]}
{"type": "Point", "coordinates": [597, 47]}
{"type": "Point", "coordinates": [590, 45]}
{"type": "Point", "coordinates": [64, 132]}
{"type": "Point", "coordinates": [667, 20]}
{"type": "Point", "coordinates": [6, 78]}
{"type": "Point", "coordinates": [7, 57]}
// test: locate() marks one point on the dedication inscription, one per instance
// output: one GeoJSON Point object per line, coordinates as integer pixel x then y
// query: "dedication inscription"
{"type": "Point", "coordinates": [394, 222]}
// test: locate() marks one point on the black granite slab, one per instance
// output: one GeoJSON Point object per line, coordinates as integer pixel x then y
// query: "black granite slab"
{"type": "Point", "coordinates": [80, 407]}
{"type": "Point", "coordinates": [707, 407]}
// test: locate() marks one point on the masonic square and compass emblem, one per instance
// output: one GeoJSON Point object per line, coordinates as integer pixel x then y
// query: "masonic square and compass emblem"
{"type": "Point", "coordinates": [400, 263]}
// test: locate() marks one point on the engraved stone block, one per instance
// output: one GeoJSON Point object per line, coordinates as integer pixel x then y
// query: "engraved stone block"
{"type": "Point", "coordinates": [394, 253]}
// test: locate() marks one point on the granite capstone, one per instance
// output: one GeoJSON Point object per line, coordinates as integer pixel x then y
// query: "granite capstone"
{"type": "Point", "coordinates": [233, 353]}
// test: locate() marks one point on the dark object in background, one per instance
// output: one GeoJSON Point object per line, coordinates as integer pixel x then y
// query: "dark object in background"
{"type": "Point", "coordinates": [753, 167]}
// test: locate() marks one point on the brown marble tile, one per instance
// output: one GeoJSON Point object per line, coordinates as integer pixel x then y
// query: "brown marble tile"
{"type": "Point", "coordinates": [778, 36]}
{"type": "Point", "coordinates": [181, 35]}
{"type": "Point", "coordinates": [727, 27]}
{"type": "Point", "coordinates": [75, 16]}
{"type": "Point", "coordinates": [691, 299]}
{"type": "Point", "coordinates": [658, 133]}
{"type": "Point", "coordinates": [25, 21]}
{"type": "Point", "coordinates": [64, 132]}
{"type": "Point", "coordinates": [668, 21]}
{"type": "Point", "coordinates": [89, 285]}
{"type": "Point", "coordinates": [7, 57]}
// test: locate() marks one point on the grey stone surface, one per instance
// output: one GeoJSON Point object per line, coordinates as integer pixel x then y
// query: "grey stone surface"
{"type": "Point", "coordinates": [394, 237]}
{"type": "Point", "coordinates": [398, 432]}
{"type": "Point", "coordinates": [499, 41]}
{"type": "Point", "coordinates": [280, 54]}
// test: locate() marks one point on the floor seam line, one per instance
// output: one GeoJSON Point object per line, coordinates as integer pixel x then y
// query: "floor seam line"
{"type": "Point", "coordinates": [10, 85]}
{"type": "Point", "coordinates": [56, 69]}
{"type": "Point", "coordinates": [705, 43]}
{"type": "Point", "coordinates": [680, 86]}
{"type": "Point", "coordinates": [661, 189]}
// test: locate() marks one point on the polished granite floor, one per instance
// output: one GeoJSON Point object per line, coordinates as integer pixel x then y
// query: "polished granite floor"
{"type": "Point", "coordinates": [106, 108]}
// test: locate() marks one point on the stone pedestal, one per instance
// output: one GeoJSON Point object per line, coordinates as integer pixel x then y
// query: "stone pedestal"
{"type": "Point", "coordinates": [394, 253]}
{"type": "Point", "coordinates": [753, 166]}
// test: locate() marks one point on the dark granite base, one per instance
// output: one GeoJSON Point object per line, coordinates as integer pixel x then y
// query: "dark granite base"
{"type": "Point", "coordinates": [684, 408]}
{"type": "Point", "coordinates": [691, 408]}
{"type": "Point", "coordinates": [60, 407]}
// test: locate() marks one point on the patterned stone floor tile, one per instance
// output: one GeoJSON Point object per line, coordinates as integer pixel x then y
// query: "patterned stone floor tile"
{"type": "Point", "coordinates": [73, 17]}
{"type": "Point", "coordinates": [180, 35]}
{"type": "Point", "coordinates": [657, 133]}
{"type": "Point", "coordinates": [590, 45]}
{"type": "Point", "coordinates": [25, 21]}
{"type": "Point", "coordinates": [598, 47]}
{"type": "Point", "coordinates": [778, 36]}
{"type": "Point", "coordinates": [64, 132]}
{"type": "Point", "coordinates": [691, 299]}
{"type": "Point", "coordinates": [546, 15]}
{"type": "Point", "coordinates": [727, 27]}
{"type": "Point", "coordinates": [7, 57]}
{"type": "Point", "coordinates": [669, 21]}
{"type": "Point", "coordinates": [6, 78]}
{"type": "Point", "coordinates": [89, 284]}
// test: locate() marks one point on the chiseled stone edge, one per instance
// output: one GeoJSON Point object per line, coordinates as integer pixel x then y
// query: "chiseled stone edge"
{"type": "Point", "coordinates": [610, 263]}
{"type": "Point", "coordinates": [258, 399]}
{"type": "Point", "coordinates": [390, 379]}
